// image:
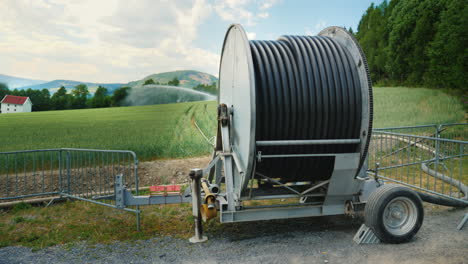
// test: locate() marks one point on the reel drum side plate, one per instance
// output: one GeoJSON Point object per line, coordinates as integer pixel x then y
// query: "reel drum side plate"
{"type": "Point", "coordinates": [237, 91]}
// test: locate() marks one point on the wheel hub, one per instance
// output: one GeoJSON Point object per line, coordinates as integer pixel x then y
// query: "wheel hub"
{"type": "Point", "coordinates": [400, 216]}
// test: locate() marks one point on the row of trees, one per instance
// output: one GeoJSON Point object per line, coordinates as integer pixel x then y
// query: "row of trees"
{"type": "Point", "coordinates": [416, 42]}
{"type": "Point", "coordinates": [207, 88]}
{"type": "Point", "coordinates": [79, 98]}
{"type": "Point", "coordinates": [173, 82]}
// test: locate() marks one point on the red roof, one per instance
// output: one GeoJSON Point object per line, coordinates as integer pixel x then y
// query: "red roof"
{"type": "Point", "coordinates": [11, 99]}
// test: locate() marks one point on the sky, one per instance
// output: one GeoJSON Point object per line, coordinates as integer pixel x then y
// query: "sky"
{"type": "Point", "coordinates": [125, 40]}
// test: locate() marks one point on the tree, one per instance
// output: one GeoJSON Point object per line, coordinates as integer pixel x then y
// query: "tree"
{"type": "Point", "coordinates": [416, 42]}
{"type": "Point", "coordinates": [80, 94]}
{"type": "Point", "coordinates": [428, 13]}
{"type": "Point", "coordinates": [119, 96]}
{"type": "Point", "coordinates": [44, 100]}
{"type": "Point", "coordinates": [60, 100]}
{"type": "Point", "coordinates": [100, 98]}
{"type": "Point", "coordinates": [17, 92]}
{"type": "Point", "coordinates": [208, 88]}
{"type": "Point", "coordinates": [373, 36]}
{"type": "Point", "coordinates": [3, 90]}
{"type": "Point", "coordinates": [39, 99]}
{"type": "Point", "coordinates": [149, 81]}
{"type": "Point", "coordinates": [174, 82]}
{"type": "Point", "coordinates": [448, 52]}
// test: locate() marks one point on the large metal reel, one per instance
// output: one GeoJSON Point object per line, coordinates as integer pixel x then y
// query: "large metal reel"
{"type": "Point", "coordinates": [237, 90]}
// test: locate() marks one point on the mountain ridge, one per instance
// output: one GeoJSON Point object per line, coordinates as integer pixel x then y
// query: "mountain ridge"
{"type": "Point", "coordinates": [14, 82]}
{"type": "Point", "coordinates": [187, 79]}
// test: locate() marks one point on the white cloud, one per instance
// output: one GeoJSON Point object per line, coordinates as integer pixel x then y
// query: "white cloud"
{"type": "Point", "coordinates": [112, 40]}
{"type": "Point", "coordinates": [251, 35]}
{"type": "Point", "coordinates": [267, 4]}
{"type": "Point", "coordinates": [103, 41]}
{"type": "Point", "coordinates": [316, 28]}
{"type": "Point", "coordinates": [243, 11]}
{"type": "Point", "coordinates": [263, 15]}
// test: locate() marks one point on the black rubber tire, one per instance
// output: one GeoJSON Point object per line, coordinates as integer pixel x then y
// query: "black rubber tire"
{"type": "Point", "coordinates": [376, 204]}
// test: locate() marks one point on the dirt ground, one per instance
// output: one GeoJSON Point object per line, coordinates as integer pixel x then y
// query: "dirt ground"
{"type": "Point", "coordinates": [307, 240]}
{"type": "Point", "coordinates": [169, 171]}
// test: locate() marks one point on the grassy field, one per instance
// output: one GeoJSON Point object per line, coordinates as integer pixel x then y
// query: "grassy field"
{"type": "Point", "coordinates": [401, 106]}
{"type": "Point", "coordinates": [151, 131]}
{"type": "Point", "coordinates": [168, 131]}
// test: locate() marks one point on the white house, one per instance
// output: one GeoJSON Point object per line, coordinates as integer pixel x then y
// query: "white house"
{"type": "Point", "coordinates": [15, 104]}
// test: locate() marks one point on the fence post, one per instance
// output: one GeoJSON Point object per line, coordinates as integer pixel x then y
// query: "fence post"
{"type": "Point", "coordinates": [138, 216]}
{"type": "Point", "coordinates": [68, 173]}
{"type": "Point", "coordinates": [60, 170]}
{"type": "Point", "coordinates": [439, 129]}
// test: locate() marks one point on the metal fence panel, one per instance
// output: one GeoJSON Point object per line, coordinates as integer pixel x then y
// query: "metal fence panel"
{"type": "Point", "coordinates": [29, 173]}
{"type": "Point", "coordinates": [424, 130]}
{"type": "Point", "coordinates": [434, 165]}
{"type": "Point", "coordinates": [454, 131]}
{"type": "Point", "coordinates": [78, 173]}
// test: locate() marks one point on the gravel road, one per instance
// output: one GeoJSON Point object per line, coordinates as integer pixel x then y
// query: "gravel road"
{"type": "Point", "coordinates": [309, 240]}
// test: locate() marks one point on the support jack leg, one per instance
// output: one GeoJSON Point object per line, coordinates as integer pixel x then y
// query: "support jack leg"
{"type": "Point", "coordinates": [195, 176]}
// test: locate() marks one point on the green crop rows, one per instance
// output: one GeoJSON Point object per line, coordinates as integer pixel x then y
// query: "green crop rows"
{"type": "Point", "coordinates": [168, 131]}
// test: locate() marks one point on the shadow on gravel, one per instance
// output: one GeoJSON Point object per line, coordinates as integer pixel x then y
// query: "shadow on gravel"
{"type": "Point", "coordinates": [285, 228]}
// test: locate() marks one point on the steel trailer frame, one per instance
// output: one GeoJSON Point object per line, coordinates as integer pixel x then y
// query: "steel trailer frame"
{"type": "Point", "coordinates": [342, 187]}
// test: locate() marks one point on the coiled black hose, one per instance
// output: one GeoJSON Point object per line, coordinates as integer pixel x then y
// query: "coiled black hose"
{"type": "Point", "coordinates": [306, 88]}
{"type": "Point", "coordinates": [433, 199]}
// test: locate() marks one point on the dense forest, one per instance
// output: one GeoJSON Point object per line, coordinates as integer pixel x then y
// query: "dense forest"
{"type": "Point", "coordinates": [417, 43]}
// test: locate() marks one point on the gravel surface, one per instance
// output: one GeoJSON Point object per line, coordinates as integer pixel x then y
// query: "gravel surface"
{"type": "Point", "coordinates": [309, 240]}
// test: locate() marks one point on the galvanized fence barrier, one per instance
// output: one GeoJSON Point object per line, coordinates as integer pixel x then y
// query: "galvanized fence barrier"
{"type": "Point", "coordinates": [30, 173]}
{"type": "Point", "coordinates": [431, 164]}
{"type": "Point", "coordinates": [84, 174]}
{"type": "Point", "coordinates": [423, 130]}
{"type": "Point", "coordinates": [457, 131]}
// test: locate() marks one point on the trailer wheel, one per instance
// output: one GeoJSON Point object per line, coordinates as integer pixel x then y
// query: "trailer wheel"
{"type": "Point", "coordinates": [395, 213]}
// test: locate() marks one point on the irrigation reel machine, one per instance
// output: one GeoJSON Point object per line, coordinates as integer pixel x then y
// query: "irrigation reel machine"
{"type": "Point", "coordinates": [294, 125]}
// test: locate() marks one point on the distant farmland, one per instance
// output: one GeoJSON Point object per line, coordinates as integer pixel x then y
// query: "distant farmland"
{"type": "Point", "coordinates": [151, 131]}
{"type": "Point", "coordinates": [165, 131]}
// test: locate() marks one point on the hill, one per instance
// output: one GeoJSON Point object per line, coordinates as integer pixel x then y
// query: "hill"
{"type": "Point", "coordinates": [53, 86]}
{"type": "Point", "coordinates": [15, 82]}
{"type": "Point", "coordinates": [187, 78]}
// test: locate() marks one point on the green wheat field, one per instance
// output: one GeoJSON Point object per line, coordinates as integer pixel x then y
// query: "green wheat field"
{"type": "Point", "coordinates": [170, 130]}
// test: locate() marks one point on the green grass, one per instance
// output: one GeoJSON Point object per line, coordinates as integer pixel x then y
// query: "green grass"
{"type": "Point", "coordinates": [151, 131]}
{"type": "Point", "coordinates": [71, 222]}
{"type": "Point", "coordinates": [401, 106]}
{"type": "Point", "coordinates": [168, 131]}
